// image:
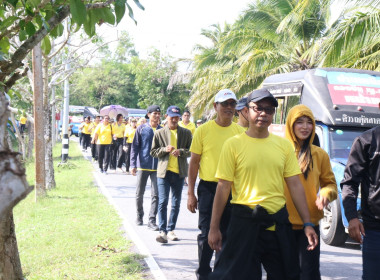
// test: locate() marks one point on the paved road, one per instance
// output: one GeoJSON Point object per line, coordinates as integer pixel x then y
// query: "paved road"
{"type": "Point", "coordinates": [178, 260]}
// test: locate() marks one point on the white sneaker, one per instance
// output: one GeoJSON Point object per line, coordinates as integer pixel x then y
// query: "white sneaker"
{"type": "Point", "coordinates": [162, 237]}
{"type": "Point", "coordinates": [120, 170]}
{"type": "Point", "coordinates": [172, 236]}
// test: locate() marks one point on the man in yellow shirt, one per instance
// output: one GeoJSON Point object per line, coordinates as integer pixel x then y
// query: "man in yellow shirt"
{"type": "Point", "coordinates": [145, 166]}
{"type": "Point", "coordinates": [205, 150]}
{"type": "Point", "coordinates": [23, 120]}
{"type": "Point", "coordinates": [93, 126]}
{"type": "Point", "coordinates": [186, 123]}
{"type": "Point", "coordinates": [242, 112]}
{"type": "Point", "coordinates": [171, 146]}
{"type": "Point", "coordinates": [129, 134]}
{"type": "Point", "coordinates": [253, 166]}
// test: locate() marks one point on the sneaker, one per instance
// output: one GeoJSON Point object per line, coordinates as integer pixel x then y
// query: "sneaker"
{"type": "Point", "coordinates": [120, 170]}
{"type": "Point", "coordinates": [105, 172]}
{"type": "Point", "coordinates": [139, 221]}
{"type": "Point", "coordinates": [127, 173]}
{"type": "Point", "coordinates": [153, 226]}
{"type": "Point", "coordinates": [172, 236]}
{"type": "Point", "coordinates": [101, 171]}
{"type": "Point", "coordinates": [162, 238]}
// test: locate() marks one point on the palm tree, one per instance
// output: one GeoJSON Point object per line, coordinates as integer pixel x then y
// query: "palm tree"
{"type": "Point", "coordinates": [277, 36]}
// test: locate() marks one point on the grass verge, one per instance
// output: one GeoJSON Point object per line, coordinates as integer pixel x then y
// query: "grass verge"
{"type": "Point", "coordinates": [73, 233]}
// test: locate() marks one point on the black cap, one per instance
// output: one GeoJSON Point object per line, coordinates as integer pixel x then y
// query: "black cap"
{"type": "Point", "coordinates": [260, 94]}
{"type": "Point", "coordinates": [151, 109]}
{"type": "Point", "coordinates": [241, 104]}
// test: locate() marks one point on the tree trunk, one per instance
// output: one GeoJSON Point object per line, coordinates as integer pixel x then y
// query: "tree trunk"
{"type": "Point", "coordinates": [10, 266]}
{"type": "Point", "coordinates": [13, 188]}
{"type": "Point", "coordinates": [49, 166]}
{"type": "Point", "coordinates": [29, 150]}
{"type": "Point", "coordinates": [20, 139]}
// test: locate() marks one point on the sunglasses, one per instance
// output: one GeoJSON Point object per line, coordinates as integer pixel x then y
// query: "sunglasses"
{"type": "Point", "coordinates": [267, 110]}
{"type": "Point", "coordinates": [226, 103]}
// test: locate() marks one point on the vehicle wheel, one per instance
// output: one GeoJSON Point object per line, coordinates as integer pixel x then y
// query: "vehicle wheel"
{"type": "Point", "coordinates": [331, 226]}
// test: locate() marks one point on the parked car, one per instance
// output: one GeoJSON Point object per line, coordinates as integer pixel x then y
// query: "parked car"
{"type": "Point", "coordinates": [345, 104]}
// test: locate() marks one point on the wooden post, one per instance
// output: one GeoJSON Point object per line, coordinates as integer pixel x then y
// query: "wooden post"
{"type": "Point", "coordinates": [39, 143]}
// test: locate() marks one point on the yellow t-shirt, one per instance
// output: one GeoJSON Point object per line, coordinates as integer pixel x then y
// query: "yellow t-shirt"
{"type": "Point", "coordinates": [23, 120]}
{"type": "Point", "coordinates": [208, 141]}
{"type": "Point", "coordinates": [104, 134]}
{"type": "Point", "coordinates": [93, 128]}
{"type": "Point", "coordinates": [118, 130]}
{"type": "Point", "coordinates": [190, 126]}
{"type": "Point", "coordinates": [257, 167]}
{"type": "Point", "coordinates": [130, 134]}
{"type": "Point", "coordinates": [173, 161]}
{"type": "Point", "coordinates": [85, 128]}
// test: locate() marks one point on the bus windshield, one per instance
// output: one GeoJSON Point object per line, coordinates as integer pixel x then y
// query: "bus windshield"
{"type": "Point", "coordinates": [341, 139]}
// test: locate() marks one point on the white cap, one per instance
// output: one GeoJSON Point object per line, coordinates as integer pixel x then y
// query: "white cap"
{"type": "Point", "coordinates": [224, 95]}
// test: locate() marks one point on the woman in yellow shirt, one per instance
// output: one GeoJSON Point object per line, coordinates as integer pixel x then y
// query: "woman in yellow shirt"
{"type": "Point", "coordinates": [103, 140]}
{"type": "Point", "coordinates": [128, 139]}
{"type": "Point", "coordinates": [318, 181]}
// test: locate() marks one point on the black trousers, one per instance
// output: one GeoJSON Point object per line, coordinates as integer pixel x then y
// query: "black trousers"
{"type": "Point", "coordinates": [309, 260]}
{"type": "Point", "coordinates": [22, 128]}
{"type": "Point", "coordinates": [103, 156]}
{"type": "Point", "coordinates": [128, 157]}
{"type": "Point", "coordinates": [94, 152]}
{"type": "Point", "coordinates": [117, 154]}
{"type": "Point", "coordinates": [86, 140]}
{"type": "Point", "coordinates": [250, 245]}
{"type": "Point", "coordinates": [206, 193]}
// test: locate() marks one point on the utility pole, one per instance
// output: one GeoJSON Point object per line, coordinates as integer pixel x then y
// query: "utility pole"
{"type": "Point", "coordinates": [39, 142]}
{"type": "Point", "coordinates": [65, 118]}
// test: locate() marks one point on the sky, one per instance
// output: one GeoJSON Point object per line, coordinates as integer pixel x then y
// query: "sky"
{"type": "Point", "coordinates": [174, 26]}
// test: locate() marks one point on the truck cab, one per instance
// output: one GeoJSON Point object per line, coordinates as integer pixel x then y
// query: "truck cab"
{"type": "Point", "coordinates": [345, 104]}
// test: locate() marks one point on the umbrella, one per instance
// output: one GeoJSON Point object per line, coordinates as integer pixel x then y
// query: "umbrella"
{"type": "Point", "coordinates": [113, 110]}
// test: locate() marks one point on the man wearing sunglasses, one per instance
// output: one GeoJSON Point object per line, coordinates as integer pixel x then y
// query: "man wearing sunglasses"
{"type": "Point", "coordinates": [253, 166]}
{"type": "Point", "coordinates": [205, 150]}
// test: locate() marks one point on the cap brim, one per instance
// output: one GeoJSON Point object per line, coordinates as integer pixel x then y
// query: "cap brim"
{"type": "Point", "coordinates": [174, 115]}
{"type": "Point", "coordinates": [271, 99]}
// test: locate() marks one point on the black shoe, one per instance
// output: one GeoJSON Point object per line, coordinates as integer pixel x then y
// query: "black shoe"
{"type": "Point", "coordinates": [153, 226]}
{"type": "Point", "coordinates": [139, 221]}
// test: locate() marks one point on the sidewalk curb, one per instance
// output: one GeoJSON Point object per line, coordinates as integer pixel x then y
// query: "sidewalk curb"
{"type": "Point", "coordinates": [150, 261]}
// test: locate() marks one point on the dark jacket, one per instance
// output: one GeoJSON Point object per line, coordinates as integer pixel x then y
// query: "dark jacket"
{"type": "Point", "coordinates": [161, 139]}
{"type": "Point", "coordinates": [140, 149]}
{"type": "Point", "coordinates": [363, 167]}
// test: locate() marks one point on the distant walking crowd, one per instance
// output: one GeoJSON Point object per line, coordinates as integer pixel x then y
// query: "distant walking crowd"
{"type": "Point", "coordinates": [259, 197]}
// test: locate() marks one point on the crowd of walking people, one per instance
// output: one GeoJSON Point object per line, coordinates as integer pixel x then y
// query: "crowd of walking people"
{"type": "Point", "coordinates": [259, 196]}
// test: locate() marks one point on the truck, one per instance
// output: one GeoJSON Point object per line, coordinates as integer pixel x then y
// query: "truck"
{"type": "Point", "coordinates": [345, 103]}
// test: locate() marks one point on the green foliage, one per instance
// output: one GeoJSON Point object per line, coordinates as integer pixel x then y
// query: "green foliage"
{"type": "Point", "coordinates": [104, 84]}
{"type": "Point", "coordinates": [153, 76]}
{"type": "Point", "coordinates": [277, 36]}
{"type": "Point", "coordinates": [63, 236]}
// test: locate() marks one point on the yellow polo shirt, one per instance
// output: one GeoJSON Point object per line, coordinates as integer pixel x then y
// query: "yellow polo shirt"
{"type": "Point", "coordinates": [118, 130]}
{"type": "Point", "coordinates": [173, 161]}
{"type": "Point", "coordinates": [23, 120]}
{"type": "Point", "coordinates": [104, 134]}
{"type": "Point", "coordinates": [190, 126]}
{"type": "Point", "coordinates": [208, 141]}
{"type": "Point", "coordinates": [257, 168]}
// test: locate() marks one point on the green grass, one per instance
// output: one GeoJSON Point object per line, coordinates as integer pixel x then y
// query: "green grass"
{"type": "Point", "coordinates": [73, 233]}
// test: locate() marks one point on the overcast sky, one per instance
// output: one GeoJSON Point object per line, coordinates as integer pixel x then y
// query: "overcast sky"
{"type": "Point", "coordinates": [174, 26]}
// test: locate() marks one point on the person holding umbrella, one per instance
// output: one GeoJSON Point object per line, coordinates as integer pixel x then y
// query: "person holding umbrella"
{"type": "Point", "coordinates": [103, 139]}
